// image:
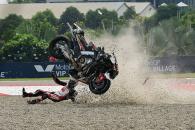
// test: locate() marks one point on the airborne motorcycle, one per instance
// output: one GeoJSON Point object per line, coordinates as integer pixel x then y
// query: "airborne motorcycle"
{"type": "Point", "coordinates": [95, 67]}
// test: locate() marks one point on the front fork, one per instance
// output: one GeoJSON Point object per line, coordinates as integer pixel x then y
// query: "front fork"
{"type": "Point", "coordinates": [65, 51]}
{"type": "Point", "coordinates": [68, 54]}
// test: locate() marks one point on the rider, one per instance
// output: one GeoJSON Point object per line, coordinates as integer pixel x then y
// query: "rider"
{"type": "Point", "coordinates": [66, 92]}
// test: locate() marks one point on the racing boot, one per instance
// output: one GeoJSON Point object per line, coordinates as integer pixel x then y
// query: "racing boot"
{"type": "Point", "coordinates": [24, 93]}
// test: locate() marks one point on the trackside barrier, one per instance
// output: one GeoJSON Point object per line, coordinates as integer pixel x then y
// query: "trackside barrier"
{"type": "Point", "coordinates": [32, 69]}
{"type": "Point", "coordinates": [43, 69]}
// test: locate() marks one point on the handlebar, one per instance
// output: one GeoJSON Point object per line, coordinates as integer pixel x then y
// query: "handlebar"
{"type": "Point", "coordinates": [77, 26]}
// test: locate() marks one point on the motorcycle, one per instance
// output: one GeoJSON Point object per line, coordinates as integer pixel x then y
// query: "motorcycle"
{"type": "Point", "coordinates": [94, 66]}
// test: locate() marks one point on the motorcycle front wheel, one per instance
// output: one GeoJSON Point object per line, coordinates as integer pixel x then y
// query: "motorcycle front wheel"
{"type": "Point", "coordinates": [99, 88]}
{"type": "Point", "coordinates": [56, 52]}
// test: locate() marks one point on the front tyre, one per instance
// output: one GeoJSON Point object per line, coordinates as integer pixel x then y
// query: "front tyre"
{"type": "Point", "coordinates": [99, 88]}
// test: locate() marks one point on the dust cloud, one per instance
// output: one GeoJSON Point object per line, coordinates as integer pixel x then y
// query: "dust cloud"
{"type": "Point", "coordinates": [134, 84]}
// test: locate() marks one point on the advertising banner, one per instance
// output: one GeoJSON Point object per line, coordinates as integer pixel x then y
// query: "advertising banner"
{"type": "Point", "coordinates": [32, 69]}
{"type": "Point", "coordinates": [44, 69]}
{"type": "Point", "coordinates": [172, 64]}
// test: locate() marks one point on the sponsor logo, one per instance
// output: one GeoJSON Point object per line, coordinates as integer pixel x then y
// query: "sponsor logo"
{"type": "Point", "coordinates": [39, 68]}
{"type": "Point", "coordinates": [157, 67]}
{"type": "Point", "coordinates": [60, 70]}
{"type": "Point", "coordinates": [61, 73]}
{"type": "Point", "coordinates": [2, 74]}
{"type": "Point", "coordinates": [165, 68]}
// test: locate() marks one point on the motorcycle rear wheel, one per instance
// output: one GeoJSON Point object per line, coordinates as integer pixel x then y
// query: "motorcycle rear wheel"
{"type": "Point", "coordinates": [99, 88]}
{"type": "Point", "coordinates": [55, 52]}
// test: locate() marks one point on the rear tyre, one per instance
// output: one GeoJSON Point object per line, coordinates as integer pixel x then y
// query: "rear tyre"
{"type": "Point", "coordinates": [99, 88]}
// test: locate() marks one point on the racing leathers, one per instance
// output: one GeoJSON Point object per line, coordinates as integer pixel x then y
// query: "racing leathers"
{"type": "Point", "coordinates": [65, 93]}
